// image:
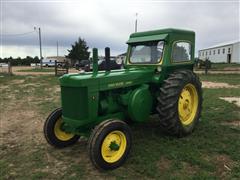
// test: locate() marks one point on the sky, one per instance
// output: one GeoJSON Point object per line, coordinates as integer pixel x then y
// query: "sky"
{"type": "Point", "coordinates": [103, 23]}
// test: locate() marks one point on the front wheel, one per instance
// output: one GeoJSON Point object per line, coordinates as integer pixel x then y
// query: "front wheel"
{"type": "Point", "coordinates": [180, 103]}
{"type": "Point", "coordinates": [54, 133]}
{"type": "Point", "coordinates": [109, 144]}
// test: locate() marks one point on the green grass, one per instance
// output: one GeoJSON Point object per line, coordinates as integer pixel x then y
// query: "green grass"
{"type": "Point", "coordinates": [221, 66]}
{"type": "Point", "coordinates": [233, 79]}
{"type": "Point", "coordinates": [202, 155]}
{"type": "Point", "coordinates": [37, 70]}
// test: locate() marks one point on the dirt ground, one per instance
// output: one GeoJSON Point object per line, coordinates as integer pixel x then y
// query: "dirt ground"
{"type": "Point", "coordinates": [218, 72]}
{"type": "Point", "coordinates": [232, 69]}
{"type": "Point", "coordinates": [21, 131]}
{"type": "Point", "coordinates": [21, 123]}
{"type": "Point", "coordinates": [17, 114]}
{"type": "Point", "coordinates": [234, 100]}
{"type": "Point", "coordinates": [211, 85]}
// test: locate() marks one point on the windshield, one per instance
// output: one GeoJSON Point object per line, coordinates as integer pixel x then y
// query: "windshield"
{"type": "Point", "coordinates": [148, 52]}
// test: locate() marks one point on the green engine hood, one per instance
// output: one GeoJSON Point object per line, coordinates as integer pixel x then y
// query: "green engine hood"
{"type": "Point", "coordinates": [108, 80]}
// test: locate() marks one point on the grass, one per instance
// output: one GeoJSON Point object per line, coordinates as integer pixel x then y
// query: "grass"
{"type": "Point", "coordinates": [221, 66]}
{"type": "Point", "coordinates": [37, 70]}
{"type": "Point", "coordinates": [205, 154]}
{"type": "Point", "coordinates": [232, 79]}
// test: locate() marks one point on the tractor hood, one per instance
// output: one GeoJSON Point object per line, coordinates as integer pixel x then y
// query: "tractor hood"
{"type": "Point", "coordinates": [108, 80]}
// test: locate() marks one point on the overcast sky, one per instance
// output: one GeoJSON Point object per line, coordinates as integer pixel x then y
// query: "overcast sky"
{"type": "Point", "coordinates": [109, 23]}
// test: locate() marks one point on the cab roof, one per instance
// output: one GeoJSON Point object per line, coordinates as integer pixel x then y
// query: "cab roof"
{"type": "Point", "coordinates": [159, 34]}
{"type": "Point", "coordinates": [161, 31]}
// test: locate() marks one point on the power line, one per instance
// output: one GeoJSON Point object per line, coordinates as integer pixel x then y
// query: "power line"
{"type": "Point", "coordinates": [20, 34]}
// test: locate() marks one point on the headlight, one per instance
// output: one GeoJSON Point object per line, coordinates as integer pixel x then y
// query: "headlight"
{"type": "Point", "coordinates": [159, 68]}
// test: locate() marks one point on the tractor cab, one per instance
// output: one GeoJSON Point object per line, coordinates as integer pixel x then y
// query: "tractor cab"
{"type": "Point", "coordinates": [165, 47]}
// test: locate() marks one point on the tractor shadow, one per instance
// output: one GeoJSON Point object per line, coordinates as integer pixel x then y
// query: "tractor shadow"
{"type": "Point", "coordinates": [150, 128]}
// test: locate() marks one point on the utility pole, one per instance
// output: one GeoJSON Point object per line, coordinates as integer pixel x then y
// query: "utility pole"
{"type": "Point", "coordinates": [57, 48]}
{"type": "Point", "coordinates": [136, 23]}
{"type": "Point", "coordinates": [40, 44]}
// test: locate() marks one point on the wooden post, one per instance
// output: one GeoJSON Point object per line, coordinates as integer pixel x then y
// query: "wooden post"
{"type": "Point", "coordinates": [55, 68]}
{"type": "Point", "coordinates": [67, 67]}
{"type": "Point", "coordinates": [207, 65]}
{"type": "Point", "coordinates": [9, 68]}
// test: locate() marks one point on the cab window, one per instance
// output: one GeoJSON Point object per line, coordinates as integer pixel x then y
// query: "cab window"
{"type": "Point", "coordinates": [148, 52]}
{"type": "Point", "coordinates": [181, 51]}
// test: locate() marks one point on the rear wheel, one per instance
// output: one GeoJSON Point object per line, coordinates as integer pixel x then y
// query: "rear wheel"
{"type": "Point", "coordinates": [180, 103]}
{"type": "Point", "coordinates": [109, 144]}
{"type": "Point", "coordinates": [54, 133]}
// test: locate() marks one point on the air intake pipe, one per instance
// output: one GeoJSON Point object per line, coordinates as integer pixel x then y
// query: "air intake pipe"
{"type": "Point", "coordinates": [107, 59]}
{"type": "Point", "coordinates": [95, 61]}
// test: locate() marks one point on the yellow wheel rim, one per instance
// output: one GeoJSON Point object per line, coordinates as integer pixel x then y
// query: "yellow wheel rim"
{"type": "Point", "coordinates": [113, 146]}
{"type": "Point", "coordinates": [59, 133]}
{"type": "Point", "coordinates": [188, 104]}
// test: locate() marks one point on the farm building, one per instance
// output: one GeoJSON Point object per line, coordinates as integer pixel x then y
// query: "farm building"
{"type": "Point", "coordinates": [120, 58]}
{"type": "Point", "coordinates": [58, 59]}
{"type": "Point", "coordinates": [228, 52]}
{"type": "Point", "coordinates": [50, 60]}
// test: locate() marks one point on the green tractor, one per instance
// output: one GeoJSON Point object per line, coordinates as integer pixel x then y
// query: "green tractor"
{"type": "Point", "coordinates": [157, 78]}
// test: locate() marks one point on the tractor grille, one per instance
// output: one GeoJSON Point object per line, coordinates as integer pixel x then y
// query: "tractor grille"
{"type": "Point", "coordinates": [74, 102]}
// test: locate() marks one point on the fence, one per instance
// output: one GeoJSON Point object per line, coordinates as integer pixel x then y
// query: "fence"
{"type": "Point", "coordinates": [61, 68]}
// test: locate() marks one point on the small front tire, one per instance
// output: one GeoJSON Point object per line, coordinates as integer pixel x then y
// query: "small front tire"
{"type": "Point", "coordinates": [110, 144]}
{"type": "Point", "coordinates": [53, 133]}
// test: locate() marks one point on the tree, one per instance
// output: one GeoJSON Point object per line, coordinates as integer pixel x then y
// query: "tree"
{"type": "Point", "coordinates": [79, 51]}
{"type": "Point", "coordinates": [36, 59]}
{"type": "Point", "coordinates": [180, 53]}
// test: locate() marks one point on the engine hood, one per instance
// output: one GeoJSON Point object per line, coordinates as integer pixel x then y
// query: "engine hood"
{"type": "Point", "coordinates": [107, 80]}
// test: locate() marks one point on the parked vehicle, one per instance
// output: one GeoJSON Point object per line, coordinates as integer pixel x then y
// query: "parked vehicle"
{"type": "Point", "coordinates": [113, 65]}
{"type": "Point", "coordinates": [102, 65]}
{"type": "Point", "coordinates": [201, 64]}
{"type": "Point", "coordinates": [3, 64]}
{"type": "Point", "coordinates": [82, 64]}
{"type": "Point", "coordinates": [48, 62]}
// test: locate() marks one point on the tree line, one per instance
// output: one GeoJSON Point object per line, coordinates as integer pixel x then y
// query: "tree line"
{"type": "Point", "coordinates": [79, 51]}
{"type": "Point", "coordinates": [20, 61]}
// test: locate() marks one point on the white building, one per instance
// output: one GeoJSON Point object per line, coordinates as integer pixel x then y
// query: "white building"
{"type": "Point", "coordinates": [121, 58]}
{"type": "Point", "coordinates": [228, 52]}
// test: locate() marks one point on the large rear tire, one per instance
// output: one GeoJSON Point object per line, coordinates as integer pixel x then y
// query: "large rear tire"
{"type": "Point", "coordinates": [180, 103]}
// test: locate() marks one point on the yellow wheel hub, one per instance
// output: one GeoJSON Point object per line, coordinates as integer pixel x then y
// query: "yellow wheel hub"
{"type": "Point", "coordinates": [188, 104]}
{"type": "Point", "coordinates": [59, 133]}
{"type": "Point", "coordinates": [113, 146]}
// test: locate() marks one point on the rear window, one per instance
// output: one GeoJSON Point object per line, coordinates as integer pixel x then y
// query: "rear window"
{"type": "Point", "coordinates": [181, 51]}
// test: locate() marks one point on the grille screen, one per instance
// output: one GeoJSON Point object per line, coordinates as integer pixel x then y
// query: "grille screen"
{"type": "Point", "coordinates": [74, 102]}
